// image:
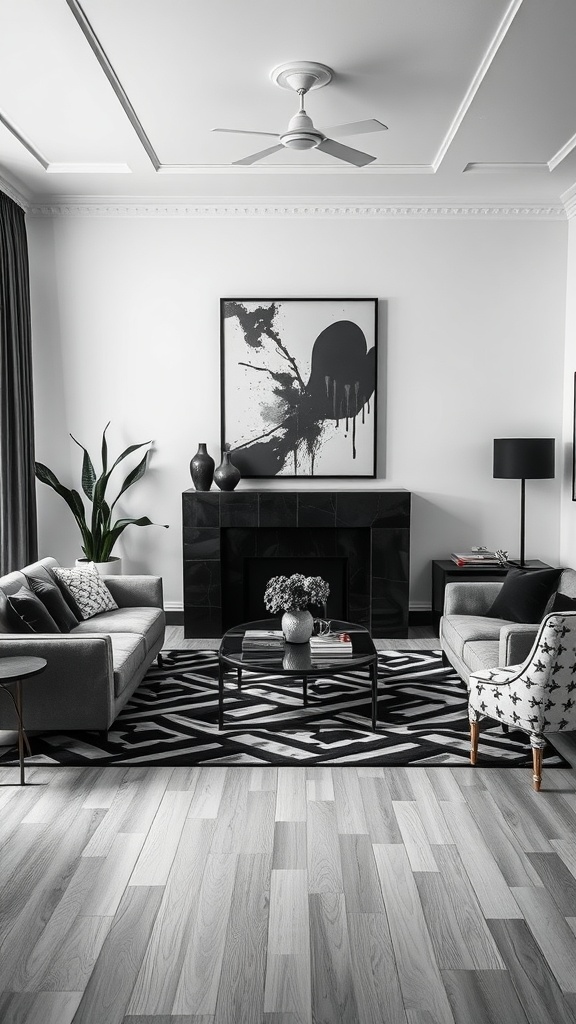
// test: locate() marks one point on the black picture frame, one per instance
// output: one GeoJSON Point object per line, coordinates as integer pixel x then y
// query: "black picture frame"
{"type": "Point", "coordinates": [299, 386]}
{"type": "Point", "coordinates": [574, 441]}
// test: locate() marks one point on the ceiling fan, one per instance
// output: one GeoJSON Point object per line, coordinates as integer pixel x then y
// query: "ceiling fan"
{"type": "Point", "coordinates": [301, 77]}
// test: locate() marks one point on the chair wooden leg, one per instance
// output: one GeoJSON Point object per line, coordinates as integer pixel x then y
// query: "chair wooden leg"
{"type": "Point", "coordinates": [537, 768]}
{"type": "Point", "coordinates": [474, 734]}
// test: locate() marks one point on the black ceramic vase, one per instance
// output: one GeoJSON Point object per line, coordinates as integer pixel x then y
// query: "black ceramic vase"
{"type": "Point", "coordinates": [226, 476]}
{"type": "Point", "coordinates": [202, 469]}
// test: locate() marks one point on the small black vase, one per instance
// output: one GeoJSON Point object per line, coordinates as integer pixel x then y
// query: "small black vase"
{"type": "Point", "coordinates": [227, 475]}
{"type": "Point", "coordinates": [202, 469]}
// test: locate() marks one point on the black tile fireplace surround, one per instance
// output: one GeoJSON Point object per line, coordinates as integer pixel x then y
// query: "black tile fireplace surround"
{"type": "Point", "coordinates": [224, 530]}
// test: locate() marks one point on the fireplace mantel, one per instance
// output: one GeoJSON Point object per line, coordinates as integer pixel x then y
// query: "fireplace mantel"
{"type": "Point", "coordinates": [371, 528]}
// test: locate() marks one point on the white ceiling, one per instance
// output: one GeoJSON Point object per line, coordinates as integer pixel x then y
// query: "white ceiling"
{"type": "Point", "coordinates": [116, 99]}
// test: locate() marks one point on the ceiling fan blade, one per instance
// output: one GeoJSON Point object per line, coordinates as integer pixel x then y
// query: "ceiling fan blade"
{"type": "Point", "coordinates": [260, 156]}
{"type": "Point", "coordinates": [240, 131]}
{"type": "Point", "coordinates": [351, 156]}
{"type": "Point", "coordinates": [356, 128]}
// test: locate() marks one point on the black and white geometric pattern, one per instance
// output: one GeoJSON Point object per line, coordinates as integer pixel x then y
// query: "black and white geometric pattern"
{"type": "Point", "coordinates": [538, 696]}
{"type": "Point", "coordinates": [88, 589]}
{"type": "Point", "coordinates": [172, 720]}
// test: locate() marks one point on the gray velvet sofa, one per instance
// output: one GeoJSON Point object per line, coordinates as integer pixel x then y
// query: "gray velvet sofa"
{"type": "Point", "coordinates": [470, 640]}
{"type": "Point", "coordinates": [94, 669]}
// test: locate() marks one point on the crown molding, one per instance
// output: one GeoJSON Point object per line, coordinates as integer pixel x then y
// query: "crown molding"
{"type": "Point", "coordinates": [13, 193]}
{"type": "Point", "coordinates": [569, 200]}
{"type": "Point", "coordinates": [292, 209]}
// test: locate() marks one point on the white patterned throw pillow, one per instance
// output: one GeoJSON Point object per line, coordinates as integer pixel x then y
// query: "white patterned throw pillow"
{"type": "Point", "coordinates": [88, 589]}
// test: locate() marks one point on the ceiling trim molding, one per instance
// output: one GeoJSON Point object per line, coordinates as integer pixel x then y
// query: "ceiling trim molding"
{"type": "Point", "coordinates": [476, 82]}
{"type": "Point", "coordinates": [569, 200]}
{"type": "Point", "coordinates": [29, 146]}
{"type": "Point", "coordinates": [562, 153]}
{"type": "Point", "coordinates": [13, 193]}
{"type": "Point", "coordinates": [121, 95]}
{"type": "Point", "coordinates": [291, 210]}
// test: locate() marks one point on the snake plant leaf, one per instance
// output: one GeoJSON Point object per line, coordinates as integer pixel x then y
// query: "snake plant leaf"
{"type": "Point", "coordinates": [132, 477]}
{"type": "Point", "coordinates": [88, 471]}
{"type": "Point", "coordinates": [121, 524]}
{"type": "Point", "coordinates": [105, 448]}
{"type": "Point", "coordinates": [128, 451]}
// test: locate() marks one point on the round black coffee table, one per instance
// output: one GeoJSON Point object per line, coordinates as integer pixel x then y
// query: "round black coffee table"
{"type": "Point", "coordinates": [294, 661]}
{"type": "Point", "coordinates": [12, 672]}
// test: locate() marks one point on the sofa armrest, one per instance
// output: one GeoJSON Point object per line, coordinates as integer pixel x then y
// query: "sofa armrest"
{"type": "Point", "coordinates": [516, 642]}
{"type": "Point", "coordinates": [79, 678]}
{"type": "Point", "coordinates": [136, 591]}
{"type": "Point", "coordinates": [470, 598]}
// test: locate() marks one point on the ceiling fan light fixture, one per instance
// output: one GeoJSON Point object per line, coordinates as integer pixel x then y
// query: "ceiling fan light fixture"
{"type": "Point", "coordinates": [300, 140]}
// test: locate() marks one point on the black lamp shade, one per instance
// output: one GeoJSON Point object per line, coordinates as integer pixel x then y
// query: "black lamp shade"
{"type": "Point", "coordinates": [524, 458]}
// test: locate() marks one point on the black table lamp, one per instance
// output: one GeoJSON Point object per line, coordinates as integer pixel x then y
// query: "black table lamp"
{"type": "Point", "coordinates": [524, 458]}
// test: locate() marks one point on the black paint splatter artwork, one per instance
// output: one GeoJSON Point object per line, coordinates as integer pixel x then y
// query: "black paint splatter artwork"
{"type": "Point", "coordinates": [299, 414]}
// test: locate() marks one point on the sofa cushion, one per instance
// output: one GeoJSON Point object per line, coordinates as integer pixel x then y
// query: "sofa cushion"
{"type": "Point", "coordinates": [482, 654]}
{"type": "Point", "coordinates": [459, 630]}
{"type": "Point", "coordinates": [49, 593]}
{"type": "Point", "coordinates": [88, 589]}
{"type": "Point", "coordinates": [145, 622]}
{"type": "Point", "coordinates": [524, 595]}
{"type": "Point", "coordinates": [27, 614]}
{"type": "Point", "coordinates": [128, 653]}
{"type": "Point", "coordinates": [567, 583]}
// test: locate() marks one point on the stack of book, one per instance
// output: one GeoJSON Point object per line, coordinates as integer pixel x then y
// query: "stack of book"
{"type": "Point", "coordinates": [480, 557]}
{"type": "Point", "coordinates": [263, 640]}
{"type": "Point", "coordinates": [330, 646]}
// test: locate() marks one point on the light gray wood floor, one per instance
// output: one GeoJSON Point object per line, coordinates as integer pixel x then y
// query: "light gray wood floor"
{"type": "Point", "coordinates": [279, 896]}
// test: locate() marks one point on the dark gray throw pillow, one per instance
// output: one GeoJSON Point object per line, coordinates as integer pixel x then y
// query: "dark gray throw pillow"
{"type": "Point", "coordinates": [561, 603]}
{"type": "Point", "coordinates": [524, 595]}
{"type": "Point", "coordinates": [52, 599]}
{"type": "Point", "coordinates": [72, 604]}
{"type": "Point", "coordinates": [27, 614]}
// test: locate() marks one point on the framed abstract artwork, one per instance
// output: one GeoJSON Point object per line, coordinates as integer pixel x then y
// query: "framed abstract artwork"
{"type": "Point", "coordinates": [299, 386]}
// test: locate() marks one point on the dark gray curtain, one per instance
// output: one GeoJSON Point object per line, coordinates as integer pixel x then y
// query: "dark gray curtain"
{"type": "Point", "coordinates": [18, 533]}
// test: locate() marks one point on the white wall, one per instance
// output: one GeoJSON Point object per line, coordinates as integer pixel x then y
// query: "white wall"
{"type": "Point", "coordinates": [568, 517]}
{"type": "Point", "coordinates": [126, 328]}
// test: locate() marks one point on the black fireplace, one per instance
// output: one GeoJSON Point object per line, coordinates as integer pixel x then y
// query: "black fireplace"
{"type": "Point", "coordinates": [358, 540]}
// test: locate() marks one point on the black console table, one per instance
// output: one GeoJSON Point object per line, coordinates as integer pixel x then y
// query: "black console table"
{"type": "Point", "coordinates": [446, 571]}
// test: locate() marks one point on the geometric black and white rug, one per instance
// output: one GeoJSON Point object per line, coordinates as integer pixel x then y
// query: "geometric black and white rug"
{"type": "Point", "coordinates": [172, 720]}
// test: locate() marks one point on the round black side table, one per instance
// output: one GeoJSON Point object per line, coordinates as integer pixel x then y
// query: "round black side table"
{"type": "Point", "coordinates": [12, 672]}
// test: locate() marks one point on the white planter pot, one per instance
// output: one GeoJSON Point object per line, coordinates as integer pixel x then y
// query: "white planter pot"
{"type": "Point", "coordinates": [113, 567]}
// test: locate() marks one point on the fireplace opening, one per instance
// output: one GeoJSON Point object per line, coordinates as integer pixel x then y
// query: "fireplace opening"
{"type": "Point", "coordinates": [257, 572]}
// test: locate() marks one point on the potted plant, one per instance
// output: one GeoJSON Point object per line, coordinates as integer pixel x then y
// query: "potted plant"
{"type": "Point", "coordinates": [100, 534]}
{"type": "Point", "coordinates": [292, 595]}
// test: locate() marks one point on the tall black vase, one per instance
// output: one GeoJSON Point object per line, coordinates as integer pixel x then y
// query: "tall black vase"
{"type": "Point", "coordinates": [227, 475]}
{"type": "Point", "coordinates": [202, 469]}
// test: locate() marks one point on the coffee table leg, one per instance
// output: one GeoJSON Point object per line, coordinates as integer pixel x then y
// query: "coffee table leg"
{"type": "Point", "coordinates": [20, 731]}
{"type": "Point", "coordinates": [374, 679]}
{"type": "Point", "coordinates": [305, 690]}
{"type": "Point", "coordinates": [220, 695]}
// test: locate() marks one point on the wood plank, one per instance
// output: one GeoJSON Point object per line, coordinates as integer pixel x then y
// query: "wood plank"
{"type": "Point", "coordinates": [450, 947]}
{"type": "Point", "coordinates": [487, 880]}
{"type": "Point", "coordinates": [39, 1007]}
{"type": "Point", "coordinates": [199, 979]}
{"type": "Point", "coordinates": [288, 988]}
{"type": "Point", "coordinates": [157, 979]}
{"type": "Point", "coordinates": [558, 880]}
{"type": "Point", "coordinates": [115, 818]}
{"type": "Point", "coordinates": [380, 818]}
{"type": "Point", "coordinates": [538, 990]}
{"type": "Point", "coordinates": [566, 849]}
{"type": "Point", "coordinates": [374, 973]}
{"type": "Point", "coordinates": [322, 849]}
{"type": "Point", "coordinates": [289, 844]}
{"type": "Point", "coordinates": [528, 834]}
{"type": "Point", "coordinates": [288, 929]}
{"type": "Point", "coordinates": [108, 887]}
{"type": "Point", "coordinates": [350, 815]}
{"type": "Point", "coordinates": [428, 807]}
{"type": "Point", "coordinates": [414, 836]}
{"type": "Point", "coordinates": [445, 785]}
{"type": "Point", "coordinates": [74, 961]}
{"type": "Point", "coordinates": [141, 810]}
{"type": "Point", "coordinates": [229, 831]}
{"type": "Point", "coordinates": [263, 779]}
{"type": "Point", "coordinates": [333, 995]}
{"type": "Point", "coordinates": [319, 784]}
{"type": "Point", "coordinates": [420, 980]}
{"type": "Point", "coordinates": [398, 782]}
{"type": "Point", "coordinates": [155, 860]}
{"type": "Point", "coordinates": [359, 876]}
{"type": "Point", "coordinates": [105, 788]}
{"type": "Point", "coordinates": [291, 795]}
{"type": "Point", "coordinates": [483, 997]}
{"type": "Point", "coordinates": [513, 862]}
{"type": "Point", "coordinates": [108, 990]}
{"type": "Point", "coordinates": [551, 932]}
{"type": "Point", "coordinates": [258, 832]}
{"type": "Point", "coordinates": [183, 779]}
{"type": "Point", "coordinates": [166, 1018]}
{"type": "Point", "coordinates": [241, 991]}
{"type": "Point", "coordinates": [463, 904]}
{"type": "Point", "coordinates": [208, 793]}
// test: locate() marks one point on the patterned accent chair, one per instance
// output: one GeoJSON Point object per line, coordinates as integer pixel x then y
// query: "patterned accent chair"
{"type": "Point", "coordinates": [538, 696]}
